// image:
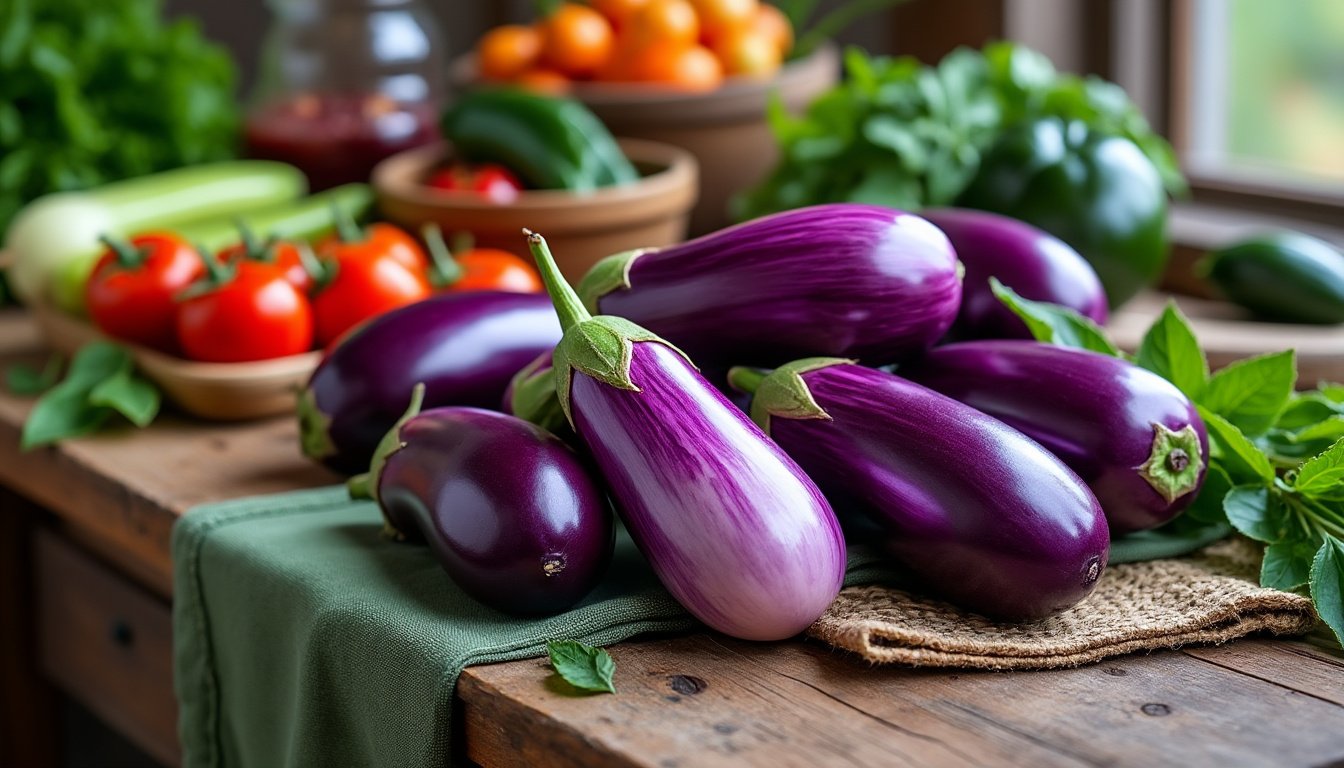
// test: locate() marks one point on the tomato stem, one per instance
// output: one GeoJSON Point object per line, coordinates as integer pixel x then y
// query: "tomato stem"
{"type": "Point", "coordinates": [346, 228]}
{"type": "Point", "coordinates": [321, 273]}
{"type": "Point", "coordinates": [127, 255]}
{"type": "Point", "coordinates": [444, 270]}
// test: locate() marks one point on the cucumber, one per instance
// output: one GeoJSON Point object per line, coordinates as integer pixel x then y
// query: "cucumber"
{"type": "Point", "coordinates": [1284, 276]}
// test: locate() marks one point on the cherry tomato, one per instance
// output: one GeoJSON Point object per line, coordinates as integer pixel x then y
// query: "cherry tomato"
{"type": "Point", "coordinates": [131, 293]}
{"type": "Point", "coordinates": [490, 269]}
{"type": "Point", "coordinates": [363, 286]}
{"type": "Point", "coordinates": [493, 182]}
{"type": "Point", "coordinates": [283, 255]}
{"type": "Point", "coordinates": [374, 241]}
{"type": "Point", "coordinates": [249, 311]}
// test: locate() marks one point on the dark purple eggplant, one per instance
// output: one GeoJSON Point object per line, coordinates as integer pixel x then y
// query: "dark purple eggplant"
{"type": "Point", "coordinates": [508, 509]}
{"type": "Point", "coordinates": [1034, 263]}
{"type": "Point", "coordinates": [978, 513]}
{"type": "Point", "coordinates": [843, 279]}
{"type": "Point", "coordinates": [464, 347]}
{"type": "Point", "coordinates": [1131, 434]}
{"type": "Point", "coordinates": [732, 527]}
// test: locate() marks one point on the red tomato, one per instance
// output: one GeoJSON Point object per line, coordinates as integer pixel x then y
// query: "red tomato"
{"type": "Point", "coordinates": [489, 269]}
{"type": "Point", "coordinates": [375, 241]}
{"type": "Point", "coordinates": [131, 293]}
{"type": "Point", "coordinates": [493, 182]}
{"type": "Point", "coordinates": [363, 287]}
{"type": "Point", "coordinates": [284, 256]}
{"type": "Point", "coordinates": [254, 313]}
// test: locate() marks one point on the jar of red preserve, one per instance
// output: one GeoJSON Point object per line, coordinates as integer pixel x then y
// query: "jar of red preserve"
{"type": "Point", "coordinates": [345, 83]}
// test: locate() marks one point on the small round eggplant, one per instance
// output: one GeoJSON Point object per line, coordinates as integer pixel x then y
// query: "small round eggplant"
{"type": "Point", "coordinates": [845, 279]}
{"type": "Point", "coordinates": [1034, 263]}
{"type": "Point", "coordinates": [509, 510]}
{"type": "Point", "coordinates": [1131, 434]}
{"type": "Point", "coordinates": [978, 513]}
{"type": "Point", "coordinates": [464, 347]}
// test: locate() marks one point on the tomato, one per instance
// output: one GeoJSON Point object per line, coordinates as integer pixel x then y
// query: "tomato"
{"type": "Point", "coordinates": [771, 22]}
{"type": "Point", "coordinates": [577, 40]}
{"type": "Point", "coordinates": [477, 269]}
{"type": "Point", "coordinates": [690, 69]}
{"type": "Point", "coordinates": [361, 286]}
{"type": "Point", "coordinates": [248, 311]}
{"type": "Point", "coordinates": [283, 255]}
{"type": "Point", "coordinates": [544, 80]}
{"type": "Point", "coordinates": [506, 51]}
{"type": "Point", "coordinates": [664, 21]}
{"type": "Point", "coordinates": [618, 11]}
{"type": "Point", "coordinates": [377, 240]}
{"type": "Point", "coordinates": [749, 53]}
{"type": "Point", "coordinates": [720, 17]}
{"type": "Point", "coordinates": [132, 289]}
{"type": "Point", "coordinates": [493, 182]}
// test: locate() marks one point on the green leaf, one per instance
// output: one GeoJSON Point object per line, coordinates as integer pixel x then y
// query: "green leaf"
{"type": "Point", "coordinates": [129, 395]}
{"type": "Point", "coordinates": [1170, 350]}
{"type": "Point", "coordinates": [582, 666]}
{"type": "Point", "coordinates": [1323, 473]}
{"type": "Point", "coordinates": [1287, 565]}
{"type": "Point", "coordinates": [1236, 454]}
{"type": "Point", "coordinates": [1330, 429]}
{"type": "Point", "coordinates": [1255, 512]}
{"type": "Point", "coordinates": [1327, 584]}
{"type": "Point", "coordinates": [97, 361]}
{"type": "Point", "coordinates": [1168, 541]}
{"type": "Point", "coordinates": [1307, 408]}
{"type": "Point", "coordinates": [27, 380]}
{"type": "Point", "coordinates": [1054, 324]}
{"type": "Point", "coordinates": [1208, 505]}
{"type": "Point", "coordinates": [63, 412]}
{"type": "Point", "coordinates": [1332, 392]}
{"type": "Point", "coordinates": [1251, 393]}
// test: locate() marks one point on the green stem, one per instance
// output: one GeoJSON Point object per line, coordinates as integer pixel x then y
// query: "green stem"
{"type": "Point", "coordinates": [346, 228]}
{"type": "Point", "coordinates": [567, 305]}
{"type": "Point", "coordinates": [251, 246]}
{"type": "Point", "coordinates": [445, 270]}
{"type": "Point", "coordinates": [128, 255]}
{"type": "Point", "coordinates": [321, 274]}
{"type": "Point", "coordinates": [744, 379]}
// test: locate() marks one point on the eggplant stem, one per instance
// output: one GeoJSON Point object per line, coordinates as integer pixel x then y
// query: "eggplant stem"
{"type": "Point", "coordinates": [444, 270]}
{"type": "Point", "coordinates": [744, 379]}
{"type": "Point", "coordinates": [567, 305]}
{"type": "Point", "coordinates": [359, 486]}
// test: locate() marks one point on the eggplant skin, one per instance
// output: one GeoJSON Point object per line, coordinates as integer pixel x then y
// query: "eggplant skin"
{"type": "Point", "coordinates": [732, 527]}
{"type": "Point", "coordinates": [464, 347]}
{"type": "Point", "coordinates": [844, 279]}
{"type": "Point", "coordinates": [513, 514]}
{"type": "Point", "coordinates": [1095, 412]}
{"type": "Point", "coordinates": [1034, 263]}
{"type": "Point", "coordinates": [979, 514]}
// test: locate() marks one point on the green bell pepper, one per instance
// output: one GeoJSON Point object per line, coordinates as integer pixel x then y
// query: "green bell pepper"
{"type": "Point", "coordinates": [1283, 276]}
{"type": "Point", "coordinates": [552, 143]}
{"type": "Point", "coordinates": [1097, 192]}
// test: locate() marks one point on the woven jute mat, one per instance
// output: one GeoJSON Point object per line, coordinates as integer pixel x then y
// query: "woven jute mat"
{"type": "Point", "coordinates": [1209, 597]}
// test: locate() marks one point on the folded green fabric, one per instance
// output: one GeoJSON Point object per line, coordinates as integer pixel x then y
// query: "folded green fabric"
{"type": "Point", "coordinates": [304, 638]}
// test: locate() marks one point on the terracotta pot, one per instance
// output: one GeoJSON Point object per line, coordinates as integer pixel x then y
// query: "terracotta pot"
{"type": "Point", "coordinates": [580, 229]}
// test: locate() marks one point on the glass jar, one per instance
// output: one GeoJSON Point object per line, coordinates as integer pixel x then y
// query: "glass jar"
{"type": "Point", "coordinates": [344, 84]}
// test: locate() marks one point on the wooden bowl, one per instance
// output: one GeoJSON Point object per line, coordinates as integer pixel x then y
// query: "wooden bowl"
{"type": "Point", "coordinates": [217, 391]}
{"type": "Point", "coordinates": [581, 229]}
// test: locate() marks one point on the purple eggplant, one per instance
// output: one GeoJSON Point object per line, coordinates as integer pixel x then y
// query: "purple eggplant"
{"type": "Point", "coordinates": [1131, 434]}
{"type": "Point", "coordinates": [464, 347]}
{"type": "Point", "coordinates": [843, 279]}
{"type": "Point", "coordinates": [508, 509]}
{"type": "Point", "coordinates": [976, 511]}
{"type": "Point", "coordinates": [1031, 261]}
{"type": "Point", "coordinates": [732, 527]}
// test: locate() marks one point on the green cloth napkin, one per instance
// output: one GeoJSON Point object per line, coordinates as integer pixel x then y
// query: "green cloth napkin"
{"type": "Point", "coordinates": [304, 638]}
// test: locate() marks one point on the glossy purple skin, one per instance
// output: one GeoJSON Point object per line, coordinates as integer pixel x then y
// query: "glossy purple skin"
{"type": "Point", "coordinates": [465, 347]}
{"type": "Point", "coordinates": [733, 528]}
{"type": "Point", "coordinates": [980, 514]}
{"type": "Point", "coordinates": [499, 500]}
{"type": "Point", "coordinates": [1094, 412]}
{"type": "Point", "coordinates": [844, 280]}
{"type": "Point", "coordinates": [1034, 263]}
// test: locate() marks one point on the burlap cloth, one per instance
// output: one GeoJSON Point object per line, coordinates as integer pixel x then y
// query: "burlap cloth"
{"type": "Point", "coordinates": [1209, 597]}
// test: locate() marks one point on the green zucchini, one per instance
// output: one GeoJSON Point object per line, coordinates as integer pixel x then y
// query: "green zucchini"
{"type": "Point", "coordinates": [1283, 276]}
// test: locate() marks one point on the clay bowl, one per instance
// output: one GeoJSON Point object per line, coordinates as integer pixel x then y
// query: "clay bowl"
{"type": "Point", "coordinates": [581, 229]}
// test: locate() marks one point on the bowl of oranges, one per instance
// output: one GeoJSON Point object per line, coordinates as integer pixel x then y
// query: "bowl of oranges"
{"type": "Point", "coordinates": [697, 74]}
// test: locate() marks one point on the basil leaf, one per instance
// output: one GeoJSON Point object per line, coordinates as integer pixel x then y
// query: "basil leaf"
{"type": "Point", "coordinates": [1238, 455]}
{"type": "Point", "coordinates": [1332, 392]}
{"type": "Point", "coordinates": [1323, 473]}
{"type": "Point", "coordinates": [1164, 542]}
{"type": "Point", "coordinates": [1054, 324]}
{"type": "Point", "coordinates": [1287, 565]}
{"type": "Point", "coordinates": [1327, 584]}
{"type": "Point", "coordinates": [1170, 350]}
{"type": "Point", "coordinates": [27, 380]}
{"type": "Point", "coordinates": [1307, 408]}
{"type": "Point", "coordinates": [1208, 505]}
{"type": "Point", "coordinates": [129, 395]}
{"type": "Point", "coordinates": [63, 412]}
{"type": "Point", "coordinates": [1255, 513]}
{"type": "Point", "coordinates": [1329, 429]}
{"type": "Point", "coordinates": [582, 666]}
{"type": "Point", "coordinates": [97, 361]}
{"type": "Point", "coordinates": [1251, 393]}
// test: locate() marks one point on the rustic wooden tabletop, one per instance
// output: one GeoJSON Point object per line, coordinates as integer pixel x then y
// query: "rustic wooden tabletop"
{"type": "Point", "coordinates": [706, 699]}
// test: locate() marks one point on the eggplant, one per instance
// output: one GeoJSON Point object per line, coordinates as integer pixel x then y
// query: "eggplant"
{"type": "Point", "coordinates": [843, 279]}
{"type": "Point", "coordinates": [509, 510]}
{"type": "Point", "coordinates": [1034, 263]}
{"type": "Point", "coordinates": [977, 513]}
{"type": "Point", "coordinates": [1131, 434]}
{"type": "Point", "coordinates": [732, 527]}
{"type": "Point", "coordinates": [464, 347]}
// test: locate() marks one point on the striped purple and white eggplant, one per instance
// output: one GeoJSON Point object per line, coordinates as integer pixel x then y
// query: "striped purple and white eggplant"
{"type": "Point", "coordinates": [978, 513]}
{"type": "Point", "coordinates": [733, 528]}
{"type": "Point", "coordinates": [510, 511]}
{"type": "Point", "coordinates": [1033, 262]}
{"type": "Point", "coordinates": [860, 281]}
{"type": "Point", "coordinates": [1131, 434]}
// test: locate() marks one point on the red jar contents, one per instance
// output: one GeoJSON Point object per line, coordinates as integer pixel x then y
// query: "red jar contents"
{"type": "Point", "coordinates": [337, 138]}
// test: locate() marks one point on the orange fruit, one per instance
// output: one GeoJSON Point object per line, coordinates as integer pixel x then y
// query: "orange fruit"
{"type": "Point", "coordinates": [543, 80]}
{"type": "Point", "coordinates": [505, 51]}
{"type": "Point", "coordinates": [720, 17]}
{"type": "Point", "coordinates": [748, 53]}
{"type": "Point", "coordinates": [617, 11]}
{"type": "Point", "coordinates": [771, 22]}
{"type": "Point", "coordinates": [576, 40]}
{"type": "Point", "coordinates": [689, 68]}
{"type": "Point", "coordinates": [664, 21]}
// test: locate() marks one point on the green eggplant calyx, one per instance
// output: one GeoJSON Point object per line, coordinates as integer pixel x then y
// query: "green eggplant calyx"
{"type": "Point", "coordinates": [392, 442]}
{"type": "Point", "coordinates": [602, 348]}
{"type": "Point", "coordinates": [608, 275]}
{"type": "Point", "coordinates": [314, 428]}
{"type": "Point", "coordinates": [746, 380]}
{"type": "Point", "coordinates": [783, 392]}
{"type": "Point", "coordinates": [534, 398]}
{"type": "Point", "coordinates": [1175, 462]}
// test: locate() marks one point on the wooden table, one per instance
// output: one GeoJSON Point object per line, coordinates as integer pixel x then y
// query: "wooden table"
{"type": "Point", "coordinates": [86, 603]}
